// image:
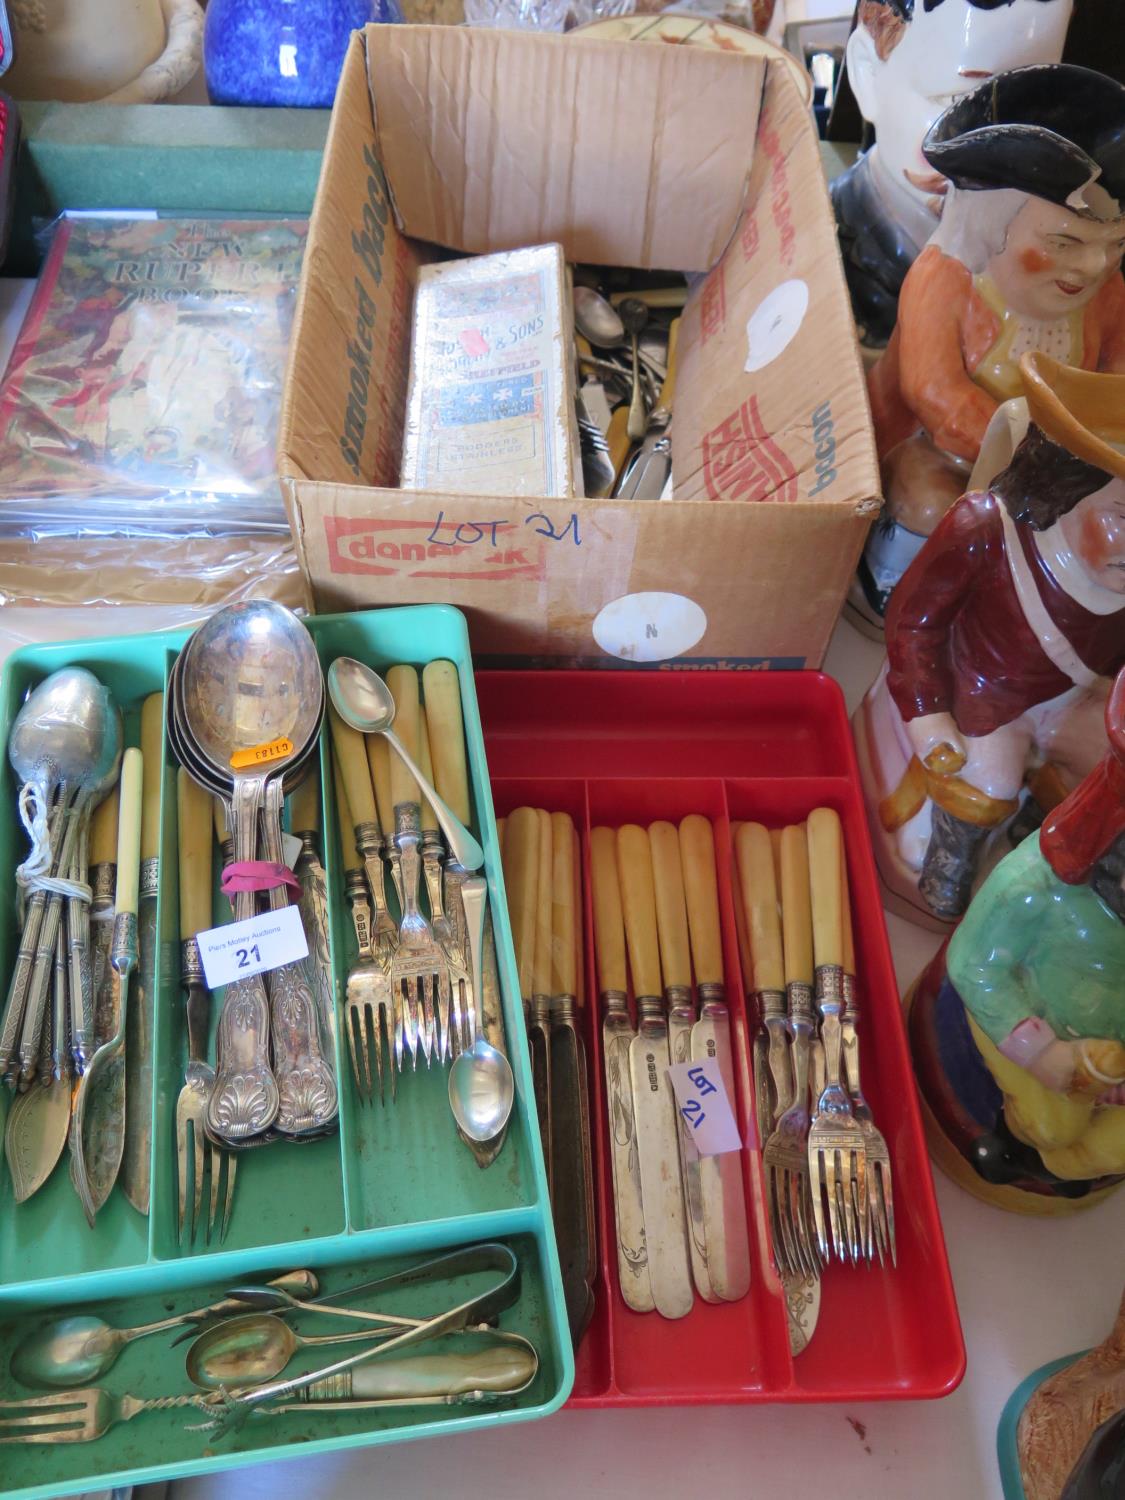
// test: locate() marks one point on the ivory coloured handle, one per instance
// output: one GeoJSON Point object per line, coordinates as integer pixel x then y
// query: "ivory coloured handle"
{"type": "Point", "coordinates": [441, 689]}
{"type": "Point", "coordinates": [403, 683]}
{"type": "Point", "coordinates": [521, 877]}
{"type": "Point", "coordinates": [103, 829]}
{"type": "Point", "coordinates": [671, 908]}
{"type": "Point", "coordinates": [846, 913]}
{"type": "Point", "coordinates": [196, 843]}
{"type": "Point", "coordinates": [579, 919]}
{"type": "Point", "coordinates": [304, 805]}
{"type": "Point", "coordinates": [824, 880]}
{"type": "Point", "coordinates": [541, 970]}
{"type": "Point", "coordinates": [504, 1367]}
{"type": "Point", "coordinates": [351, 856]}
{"type": "Point", "coordinates": [129, 832]}
{"type": "Point", "coordinates": [350, 752]}
{"type": "Point", "coordinates": [701, 882]}
{"type": "Point", "coordinates": [796, 915]}
{"type": "Point", "coordinates": [379, 763]}
{"type": "Point", "coordinates": [638, 902]}
{"type": "Point", "coordinates": [758, 883]}
{"type": "Point", "coordinates": [429, 817]}
{"type": "Point", "coordinates": [609, 922]}
{"type": "Point", "coordinates": [668, 389]}
{"type": "Point", "coordinates": [564, 968]}
{"type": "Point", "coordinates": [152, 745]}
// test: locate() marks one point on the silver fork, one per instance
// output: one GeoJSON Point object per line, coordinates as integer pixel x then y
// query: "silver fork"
{"type": "Point", "coordinates": [836, 1148]}
{"type": "Point", "coordinates": [418, 972]}
{"type": "Point", "coordinates": [192, 1142]}
{"type": "Point", "coordinates": [880, 1237]}
{"type": "Point", "coordinates": [786, 1156]}
{"type": "Point", "coordinates": [79, 1416]}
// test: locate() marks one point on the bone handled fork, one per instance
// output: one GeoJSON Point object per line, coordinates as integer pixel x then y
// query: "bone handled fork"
{"type": "Point", "coordinates": [837, 1157]}
{"type": "Point", "coordinates": [786, 1154]}
{"type": "Point", "coordinates": [192, 1143]}
{"type": "Point", "coordinates": [369, 1017]}
{"type": "Point", "coordinates": [880, 1238]}
{"type": "Point", "coordinates": [419, 968]}
{"type": "Point", "coordinates": [441, 689]}
{"type": "Point", "coordinates": [356, 805]}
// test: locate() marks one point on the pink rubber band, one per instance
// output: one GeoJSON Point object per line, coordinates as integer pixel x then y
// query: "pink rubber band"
{"type": "Point", "coordinates": [257, 875]}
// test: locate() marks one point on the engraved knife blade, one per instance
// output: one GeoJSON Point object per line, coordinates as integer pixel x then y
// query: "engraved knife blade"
{"type": "Point", "coordinates": [137, 1158]}
{"type": "Point", "coordinates": [658, 1148]}
{"type": "Point", "coordinates": [720, 1177]}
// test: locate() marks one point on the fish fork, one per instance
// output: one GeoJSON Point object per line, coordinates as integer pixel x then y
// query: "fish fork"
{"type": "Point", "coordinates": [193, 1145]}
{"type": "Point", "coordinates": [374, 1010]}
{"type": "Point", "coordinates": [880, 1200]}
{"type": "Point", "coordinates": [836, 1150]}
{"type": "Point", "coordinates": [418, 970]}
{"type": "Point", "coordinates": [80, 1416]}
{"type": "Point", "coordinates": [368, 1012]}
{"type": "Point", "coordinates": [786, 1152]}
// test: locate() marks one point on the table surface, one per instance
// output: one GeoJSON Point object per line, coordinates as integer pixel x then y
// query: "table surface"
{"type": "Point", "coordinates": [1028, 1291]}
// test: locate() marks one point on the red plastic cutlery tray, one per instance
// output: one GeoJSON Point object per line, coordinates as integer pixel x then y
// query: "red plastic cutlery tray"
{"type": "Point", "coordinates": [632, 747]}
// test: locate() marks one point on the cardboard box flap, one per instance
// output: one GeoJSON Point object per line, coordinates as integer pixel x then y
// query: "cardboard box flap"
{"type": "Point", "coordinates": [349, 352]}
{"type": "Point", "coordinates": [771, 404]}
{"type": "Point", "coordinates": [493, 140]}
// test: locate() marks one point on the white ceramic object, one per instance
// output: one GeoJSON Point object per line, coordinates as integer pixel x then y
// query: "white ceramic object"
{"type": "Point", "coordinates": [940, 53]}
{"type": "Point", "coordinates": [104, 51]}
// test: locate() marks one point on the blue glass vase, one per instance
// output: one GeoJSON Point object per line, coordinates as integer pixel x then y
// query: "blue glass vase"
{"type": "Point", "coordinates": [285, 52]}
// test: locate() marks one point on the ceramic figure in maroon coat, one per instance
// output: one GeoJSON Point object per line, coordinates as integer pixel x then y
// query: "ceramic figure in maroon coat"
{"type": "Point", "coordinates": [1003, 638]}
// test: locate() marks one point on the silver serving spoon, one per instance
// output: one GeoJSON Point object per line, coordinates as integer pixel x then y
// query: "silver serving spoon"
{"type": "Point", "coordinates": [75, 1350]}
{"type": "Point", "coordinates": [481, 1086]}
{"type": "Point", "coordinates": [363, 700]}
{"type": "Point", "coordinates": [256, 1347]}
{"type": "Point", "coordinates": [251, 694]}
{"type": "Point", "coordinates": [596, 319]}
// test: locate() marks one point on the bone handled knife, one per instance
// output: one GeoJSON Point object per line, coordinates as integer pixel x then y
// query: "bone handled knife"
{"type": "Point", "coordinates": [137, 1161]}
{"type": "Point", "coordinates": [571, 1197]}
{"type": "Point", "coordinates": [617, 1035]}
{"type": "Point", "coordinates": [724, 1194]}
{"type": "Point", "coordinates": [758, 882]}
{"type": "Point", "coordinates": [658, 1143]}
{"type": "Point", "coordinates": [675, 961]}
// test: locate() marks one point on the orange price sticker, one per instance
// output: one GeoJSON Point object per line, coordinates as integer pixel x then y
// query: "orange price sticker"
{"type": "Point", "coordinates": [261, 755]}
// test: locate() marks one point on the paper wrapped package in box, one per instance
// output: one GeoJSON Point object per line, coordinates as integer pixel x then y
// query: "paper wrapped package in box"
{"type": "Point", "coordinates": [490, 409]}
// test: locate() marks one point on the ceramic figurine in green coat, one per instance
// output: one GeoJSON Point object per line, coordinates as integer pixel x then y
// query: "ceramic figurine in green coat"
{"type": "Point", "coordinates": [1018, 1026]}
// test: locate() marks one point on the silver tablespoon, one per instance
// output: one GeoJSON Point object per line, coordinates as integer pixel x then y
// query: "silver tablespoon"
{"type": "Point", "coordinates": [76, 1350]}
{"type": "Point", "coordinates": [256, 1347]}
{"type": "Point", "coordinates": [481, 1086]}
{"type": "Point", "coordinates": [596, 319]}
{"type": "Point", "coordinates": [363, 700]}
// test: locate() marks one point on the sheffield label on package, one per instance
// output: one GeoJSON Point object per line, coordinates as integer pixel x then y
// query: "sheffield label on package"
{"type": "Point", "coordinates": [267, 941]}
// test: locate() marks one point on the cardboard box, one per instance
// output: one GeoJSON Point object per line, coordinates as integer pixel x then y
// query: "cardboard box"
{"type": "Point", "coordinates": [626, 154]}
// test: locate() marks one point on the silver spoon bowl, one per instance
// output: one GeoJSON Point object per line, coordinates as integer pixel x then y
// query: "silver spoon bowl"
{"type": "Point", "coordinates": [481, 1086]}
{"type": "Point", "coordinates": [363, 700]}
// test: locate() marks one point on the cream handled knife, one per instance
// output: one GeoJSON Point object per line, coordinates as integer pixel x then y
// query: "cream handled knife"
{"type": "Point", "coordinates": [675, 961]}
{"type": "Point", "coordinates": [654, 1106]}
{"type": "Point", "coordinates": [754, 853]}
{"type": "Point", "coordinates": [617, 1035]}
{"type": "Point", "coordinates": [136, 1164]}
{"type": "Point", "coordinates": [571, 1193]}
{"type": "Point", "coordinates": [724, 1196]}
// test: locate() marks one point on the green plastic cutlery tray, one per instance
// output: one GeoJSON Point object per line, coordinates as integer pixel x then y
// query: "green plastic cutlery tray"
{"type": "Point", "coordinates": [394, 1184]}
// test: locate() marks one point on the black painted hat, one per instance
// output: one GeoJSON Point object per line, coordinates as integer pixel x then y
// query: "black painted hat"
{"type": "Point", "coordinates": [1051, 130]}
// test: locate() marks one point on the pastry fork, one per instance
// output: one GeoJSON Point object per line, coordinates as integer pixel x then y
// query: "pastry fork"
{"type": "Point", "coordinates": [880, 1239]}
{"type": "Point", "coordinates": [192, 1143]}
{"type": "Point", "coordinates": [79, 1416]}
{"type": "Point", "coordinates": [837, 1155]}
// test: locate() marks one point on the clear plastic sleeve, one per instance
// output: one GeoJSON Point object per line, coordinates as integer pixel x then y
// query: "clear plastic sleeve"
{"type": "Point", "coordinates": [144, 390]}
